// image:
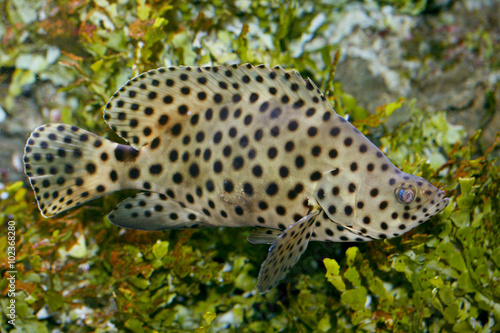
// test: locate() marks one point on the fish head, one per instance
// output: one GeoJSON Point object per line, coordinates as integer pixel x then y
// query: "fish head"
{"type": "Point", "coordinates": [377, 206]}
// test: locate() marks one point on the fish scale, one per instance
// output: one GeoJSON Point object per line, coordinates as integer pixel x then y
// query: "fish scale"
{"type": "Point", "coordinates": [240, 146]}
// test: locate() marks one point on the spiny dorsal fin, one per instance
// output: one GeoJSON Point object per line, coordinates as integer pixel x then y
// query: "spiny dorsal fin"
{"type": "Point", "coordinates": [153, 211]}
{"type": "Point", "coordinates": [162, 100]}
{"type": "Point", "coordinates": [285, 252]}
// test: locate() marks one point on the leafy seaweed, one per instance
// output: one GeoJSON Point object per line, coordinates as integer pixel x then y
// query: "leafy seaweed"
{"type": "Point", "coordinates": [77, 272]}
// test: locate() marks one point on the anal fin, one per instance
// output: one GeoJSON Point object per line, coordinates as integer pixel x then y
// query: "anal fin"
{"type": "Point", "coordinates": [153, 211]}
{"type": "Point", "coordinates": [286, 251]}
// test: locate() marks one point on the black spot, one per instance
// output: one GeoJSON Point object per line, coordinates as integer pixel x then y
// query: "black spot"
{"type": "Point", "coordinates": [184, 77]}
{"type": "Point", "coordinates": [202, 80]}
{"type": "Point", "coordinates": [329, 232]}
{"type": "Point", "coordinates": [218, 167]}
{"type": "Point", "coordinates": [245, 78]}
{"type": "Point", "coordinates": [90, 168]}
{"type": "Point", "coordinates": [333, 153]}
{"type": "Point", "coordinates": [272, 91]}
{"type": "Point", "coordinates": [134, 173]}
{"type": "Point", "coordinates": [202, 96]}
{"type": "Point", "coordinates": [163, 119]}
{"type": "Point", "coordinates": [263, 205]}
{"type": "Point", "coordinates": [258, 135]}
{"type": "Point", "coordinates": [176, 129]}
{"type": "Point", "coordinates": [264, 106]}
{"type": "Point", "coordinates": [272, 189]}
{"type": "Point", "coordinates": [272, 152]}
{"type": "Point", "coordinates": [194, 170]}
{"type": "Point", "coordinates": [183, 109]}
{"type": "Point", "coordinates": [251, 154]}
{"type": "Point", "coordinates": [177, 178]}
{"type": "Point", "coordinates": [284, 172]}
{"type": "Point", "coordinates": [236, 98]}
{"type": "Point", "coordinates": [289, 146]}
{"type": "Point", "coordinates": [209, 114]}
{"type": "Point", "coordinates": [335, 190]}
{"type": "Point", "coordinates": [298, 104]}
{"type": "Point", "coordinates": [299, 162]}
{"type": "Point", "coordinates": [248, 120]}
{"type": "Point", "coordinates": [280, 210]}
{"type": "Point", "coordinates": [374, 192]}
{"type": "Point", "coordinates": [207, 154]}
{"type": "Point", "coordinates": [363, 148]}
{"type": "Point", "coordinates": [169, 82]}
{"type": "Point", "coordinates": [254, 97]}
{"type": "Point", "coordinates": [113, 175]}
{"type": "Point", "coordinates": [366, 220]}
{"type": "Point", "coordinates": [228, 186]}
{"type": "Point", "coordinates": [370, 167]}
{"type": "Point", "coordinates": [348, 210]}
{"type": "Point", "coordinates": [383, 205]}
{"type": "Point", "coordinates": [125, 153]}
{"type": "Point", "coordinates": [351, 188]}
{"type": "Point", "coordinates": [227, 151]}
{"type": "Point", "coordinates": [394, 215]}
{"type": "Point", "coordinates": [293, 125]}
{"type": "Point", "coordinates": [244, 141]}
{"type": "Point", "coordinates": [384, 226]}
{"type": "Point", "coordinates": [348, 142]}
{"type": "Point", "coordinates": [233, 132]}
{"type": "Point", "coordinates": [248, 189]}
{"type": "Point", "coordinates": [315, 176]}
{"type": "Point", "coordinates": [77, 153]}
{"type": "Point", "coordinates": [60, 152]}
{"type": "Point", "coordinates": [224, 113]}
{"type": "Point", "coordinates": [238, 162]}
{"type": "Point", "coordinates": [168, 99]}
{"type": "Point", "coordinates": [353, 166]}
{"type": "Point", "coordinates": [217, 137]}
{"type": "Point", "coordinates": [218, 98]}
{"type": "Point", "coordinates": [173, 156]}
{"type": "Point", "coordinates": [257, 171]}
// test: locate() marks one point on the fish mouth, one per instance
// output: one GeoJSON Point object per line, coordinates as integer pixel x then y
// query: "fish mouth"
{"type": "Point", "coordinates": [440, 203]}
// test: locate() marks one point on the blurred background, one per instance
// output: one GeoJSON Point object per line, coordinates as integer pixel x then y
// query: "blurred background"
{"type": "Point", "coordinates": [62, 60]}
{"type": "Point", "coordinates": [420, 78]}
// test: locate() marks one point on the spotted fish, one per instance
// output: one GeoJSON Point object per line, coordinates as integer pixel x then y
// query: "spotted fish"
{"type": "Point", "coordinates": [238, 146]}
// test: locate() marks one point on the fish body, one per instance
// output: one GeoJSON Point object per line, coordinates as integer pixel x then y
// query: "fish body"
{"type": "Point", "coordinates": [238, 146]}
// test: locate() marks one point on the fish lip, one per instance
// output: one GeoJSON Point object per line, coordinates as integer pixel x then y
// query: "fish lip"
{"type": "Point", "coordinates": [439, 198]}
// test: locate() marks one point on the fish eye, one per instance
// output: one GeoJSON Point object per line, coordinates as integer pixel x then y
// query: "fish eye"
{"type": "Point", "coordinates": [405, 195]}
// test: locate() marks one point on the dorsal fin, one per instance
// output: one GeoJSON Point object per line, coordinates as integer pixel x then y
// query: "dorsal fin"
{"type": "Point", "coordinates": [162, 100]}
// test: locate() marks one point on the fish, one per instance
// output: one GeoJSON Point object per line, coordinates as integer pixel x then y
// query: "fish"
{"type": "Point", "coordinates": [232, 146]}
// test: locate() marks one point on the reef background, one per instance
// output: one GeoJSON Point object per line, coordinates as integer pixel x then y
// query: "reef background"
{"type": "Point", "coordinates": [420, 78]}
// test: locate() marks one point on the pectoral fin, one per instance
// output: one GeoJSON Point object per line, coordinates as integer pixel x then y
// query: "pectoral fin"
{"type": "Point", "coordinates": [285, 252]}
{"type": "Point", "coordinates": [264, 235]}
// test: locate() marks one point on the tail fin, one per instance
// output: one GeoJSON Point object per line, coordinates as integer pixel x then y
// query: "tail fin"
{"type": "Point", "coordinates": [68, 166]}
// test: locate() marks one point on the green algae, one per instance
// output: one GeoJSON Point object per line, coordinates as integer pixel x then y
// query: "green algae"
{"type": "Point", "coordinates": [78, 272]}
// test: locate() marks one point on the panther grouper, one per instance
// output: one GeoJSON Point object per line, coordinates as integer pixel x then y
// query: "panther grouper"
{"type": "Point", "coordinates": [236, 146]}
